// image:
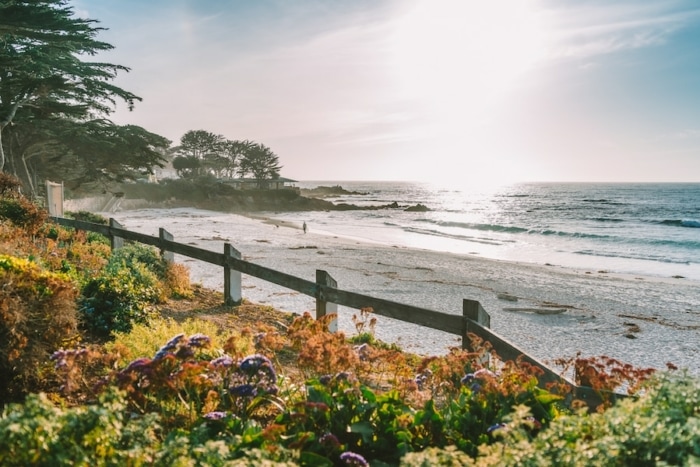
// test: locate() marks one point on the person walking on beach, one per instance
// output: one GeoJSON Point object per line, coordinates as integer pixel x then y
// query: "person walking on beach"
{"type": "Point", "coordinates": [303, 227]}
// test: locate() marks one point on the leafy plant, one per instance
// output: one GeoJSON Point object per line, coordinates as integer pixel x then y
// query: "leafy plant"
{"type": "Point", "coordinates": [119, 297]}
{"type": "Point", "coordinates": [37, 314]}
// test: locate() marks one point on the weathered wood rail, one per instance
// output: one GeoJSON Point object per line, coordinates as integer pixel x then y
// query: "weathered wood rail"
{"type": "Point", "coordinates": [473, 320]}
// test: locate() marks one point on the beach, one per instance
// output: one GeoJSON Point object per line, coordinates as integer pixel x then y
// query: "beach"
{"type": "Point", "coordinates": [646, 321]}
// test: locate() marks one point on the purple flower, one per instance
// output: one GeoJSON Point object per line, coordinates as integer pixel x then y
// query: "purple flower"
{"type": "Point", "coordinates": [138, 364]}
{"type": "Point", "coordinates": [215, 415]}
{"type": "Point", "coordinates": [352, 459]}
{"type": "Point", "coordinates": [468, 378]}
{"type": "Point", "coordinates": [252, 363]}
{"type": "Point", "coordinates": [342, 376]}
{"type": "Point", "coordinates": [184, 352]}
{"type": "Point", "coordinates": [168, 347]}
{"type": "Point", "coordinates": [222, 362]}
{"type": "Point", "coordinates": [258, 364]}
{"type": "Point", "coordinates": [325, 379]}
{"type": "Point", "coordinates": [244, 390]}
{"type": "Point", "coordinates": [199, 340]}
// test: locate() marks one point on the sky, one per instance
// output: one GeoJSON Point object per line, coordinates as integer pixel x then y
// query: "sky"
{"type": "Point", "coordinates": [466, 92]}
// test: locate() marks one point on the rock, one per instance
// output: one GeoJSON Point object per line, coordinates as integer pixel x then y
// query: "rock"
{"type": "Point", "coordinates": [417, 208]}
{"type": "Point", "coordinates": [508, 297]}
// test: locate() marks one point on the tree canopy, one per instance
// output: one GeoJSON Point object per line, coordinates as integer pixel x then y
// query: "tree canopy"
{"type": "Point", "coordinates": [53, 99]}
{"type": "Point", "coordinates": [260, 162]}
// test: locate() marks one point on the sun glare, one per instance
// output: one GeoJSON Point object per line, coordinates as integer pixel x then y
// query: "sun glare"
{"type": "Point", "coordinates": [458, 62]}
{"type": "Point", "coordinates": [458, 55]}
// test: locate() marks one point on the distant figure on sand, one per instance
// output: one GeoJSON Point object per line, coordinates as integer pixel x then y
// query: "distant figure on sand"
{"type": "Point", "coordinates": [303, 227]}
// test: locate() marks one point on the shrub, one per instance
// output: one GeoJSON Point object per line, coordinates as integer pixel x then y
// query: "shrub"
{"type": "Point", "coordinates": [119, 297]}
{"type": "Point", "coordinates": [38, 433]}
{"type": "Point", "coordinates": [87, 216]}
{"type": "Point", "coordinates": [145, 339]}
{"type": "Point", "coordinates": [37, 314]}
{"type": "Point", "coordinates": [660, 427]}
{"type": "Point", "coordinates": [23, 213]}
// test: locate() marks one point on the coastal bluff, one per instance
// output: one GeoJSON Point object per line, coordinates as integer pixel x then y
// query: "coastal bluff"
{"type": "Point", "coordinates": [221, 197]}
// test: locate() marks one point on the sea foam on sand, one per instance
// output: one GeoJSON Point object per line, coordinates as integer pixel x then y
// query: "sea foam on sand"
{"type": "Point", "coordinates": [645, 321]}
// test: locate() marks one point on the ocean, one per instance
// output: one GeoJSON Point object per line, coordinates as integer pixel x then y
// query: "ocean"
{"type": "Point", "coordinates": [631, 228]}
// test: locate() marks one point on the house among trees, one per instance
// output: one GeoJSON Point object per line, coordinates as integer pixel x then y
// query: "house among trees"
{"type": "Point", "coordinates": [279, 183]}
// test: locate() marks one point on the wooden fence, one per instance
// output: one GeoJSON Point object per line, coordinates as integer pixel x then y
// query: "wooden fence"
{"type": "Point", "coordinates": [473, 320]}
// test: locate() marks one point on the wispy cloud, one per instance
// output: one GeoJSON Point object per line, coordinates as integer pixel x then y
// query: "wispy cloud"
{"type": "Point", "coordinates": [604, 28]}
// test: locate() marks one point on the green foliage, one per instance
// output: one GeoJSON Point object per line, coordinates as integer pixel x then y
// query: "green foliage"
{"type": "Point", "coordinates": [145, 339]}
{"type": "Point", "coordinates": [140, 253]}
{"type": "Point", "coordinates": [37, 313]}
{"type": "Point", "coordinates": [38, 433]}
{"type": "Point", "coordinates": [260, 162]}
{"type": "Point", "coordinates": [23, 213]}
{"type": "Point", "coordinates": [121, 295]}
{"type": "Point", "coordinates": [660, 427]}
{"type": "Point", "coordinates": [87, 216]}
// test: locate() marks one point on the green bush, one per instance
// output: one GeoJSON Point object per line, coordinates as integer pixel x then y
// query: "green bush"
{"type": "Point", "coordinates": [661, 427]}
{"type": "Point", "coordinates": [87, 216]}
{"type": "Point", "coordinates": [37, 314]}
{"type": "Point", "coordinates": [134, 253]}
{"type": "Point", "coordinates": [38, 433]}
{"type": "Point", "coordinates": [122, 294]}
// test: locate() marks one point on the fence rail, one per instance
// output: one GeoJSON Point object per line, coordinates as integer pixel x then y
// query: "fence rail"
{"type": "Point", "coordinates": [473, 320]}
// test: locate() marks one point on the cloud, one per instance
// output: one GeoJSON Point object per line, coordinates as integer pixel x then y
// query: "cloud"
{"type": "Point", "coordinates": [604, 28]}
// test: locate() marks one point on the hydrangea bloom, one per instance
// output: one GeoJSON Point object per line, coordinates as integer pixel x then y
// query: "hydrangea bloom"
{"type": "Point", "coordinates": [353, 459]}
{"type": "Point", "coordinates": [217, 415]}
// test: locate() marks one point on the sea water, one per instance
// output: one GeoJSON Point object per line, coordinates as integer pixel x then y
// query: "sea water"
{"type": "Point", "coordinates": [650, 229]}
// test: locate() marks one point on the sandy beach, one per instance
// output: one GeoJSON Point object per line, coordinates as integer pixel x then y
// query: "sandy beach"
{"type": "Point", "coordinates": [643, 320]}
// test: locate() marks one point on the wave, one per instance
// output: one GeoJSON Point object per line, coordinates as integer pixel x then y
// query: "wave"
{"type": "Point", "coordinates": [468, 238]}
{"type": "Point", "coordinates": [603, 201]}
{"type": "Point", "coordinates": [660, 259]}
{"type": "Point", "coordinates": [476, 226]}
{"type": "Point", "coordinates": [692, 223]}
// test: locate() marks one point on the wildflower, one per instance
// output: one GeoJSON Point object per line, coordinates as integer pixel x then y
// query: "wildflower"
{"type": "Point", "coordinates": [258, 364]}
{"type": "Point", "coordinates": [184, 352]}
{"type": "Point", "coordinates": [484, 373]}
{"type": "Point", "coordinates": [352, 459]}
{"type": "Point", "coordinates": [137, 365]}
{"type": "Point", "coordinates": [342, 376]}
{"type": "Point", "coordinates": [199, 340]}
{"type": "Point", "coordinates": [244, 390]}
{"type": "Point", "coordinates": [362, 351]}
{"type": "Point", "coordinates": [217, 415]}
{"type": "Point", "coordinates": [325, 379]}
{"type": "Point", "coordinates": [468, 378]}
{"type": "Point", "coordinates": [222, 362]}
{"type": "Point", "coordinates": [168, 347]}
{"type": "Point", "coordinates": [475, 387]}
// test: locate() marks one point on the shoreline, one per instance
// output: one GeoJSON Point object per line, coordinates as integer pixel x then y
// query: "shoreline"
{"type": "Point", "coordinates": [645, 321]}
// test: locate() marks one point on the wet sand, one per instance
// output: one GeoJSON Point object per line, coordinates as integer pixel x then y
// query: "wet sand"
{"type": "Point", "coordinates": [548, 311]}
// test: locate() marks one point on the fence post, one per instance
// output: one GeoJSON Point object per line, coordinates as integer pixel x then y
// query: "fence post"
{"type": "Point", "coordinates": [323, 307]}
{"type": "Point", "coordinates": [163, 234]}
{"type": "Point", "coordinates": [115, 241]}
{"type": "Point", "coordinates": [232, 278]}
{"type": "Point", "coordinates": [472, 310]}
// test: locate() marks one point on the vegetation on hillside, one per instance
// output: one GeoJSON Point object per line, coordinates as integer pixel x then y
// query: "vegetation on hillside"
{"type": "Point", "coordinates": [113, 358]}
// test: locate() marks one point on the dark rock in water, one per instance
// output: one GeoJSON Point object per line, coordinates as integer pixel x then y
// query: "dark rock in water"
{"type": "Point", "coordinates": [393, 205]}
{"type": "Point", "coordinates": [417, 208]}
